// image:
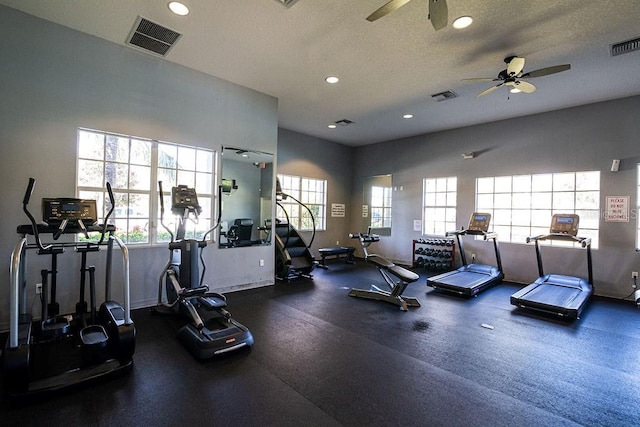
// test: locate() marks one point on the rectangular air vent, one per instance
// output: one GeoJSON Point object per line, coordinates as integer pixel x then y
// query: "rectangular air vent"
{"type": "Point", "coordinates": [443, 96]}
{"type": "Point", "coordinates": [344, 122]}
{"type": "Point", "coordinates": [287, 3]}
{"type": "Point", "coordinates": [152, 37]}
{"type": "Point", "coordinates": [625, 47]}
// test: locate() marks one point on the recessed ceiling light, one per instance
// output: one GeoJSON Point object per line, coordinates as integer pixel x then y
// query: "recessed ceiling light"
{"type": "Point", "coordinates": [178, 8]}
{"type": "Point", "coordinates": [462, 22]}
{"type": "Point", "coordinates": [408, 116]}
{"type": "Point", "coordinates": [332, 126]}
{"type": "Point", "coordinates": [332, 79]}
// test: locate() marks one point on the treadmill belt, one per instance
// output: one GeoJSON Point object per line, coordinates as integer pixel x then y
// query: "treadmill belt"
{"type": "Point", "coordinates": [556, 294]}
{"type": "Point", "coordinates": [467, 280]}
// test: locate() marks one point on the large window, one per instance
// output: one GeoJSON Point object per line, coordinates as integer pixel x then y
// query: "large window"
{"type": "Point", "coordinates": [380, 207]}
{"type": "Point", "coordinates": [523, 205]}
{"type": "Point", "coordinates": [311, 192]}
{"type": "Point", "coordinates": [134, 166]}
{"type": "Point", "coordinates": [439, 214]}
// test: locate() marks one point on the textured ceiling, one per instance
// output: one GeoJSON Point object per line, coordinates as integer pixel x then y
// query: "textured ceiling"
{"type": "Point", "coordinates": [389, 67]}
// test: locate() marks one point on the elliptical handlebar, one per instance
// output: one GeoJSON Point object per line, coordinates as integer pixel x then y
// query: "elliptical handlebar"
{"type": "Point", "coordinates": [106, 218]}
{"type": "Point", "coordinates": [34, 224]}
{"type": "Point", "coordinates": [162, 212]}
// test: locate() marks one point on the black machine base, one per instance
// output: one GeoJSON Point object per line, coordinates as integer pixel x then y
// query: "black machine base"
{"type": "Point", "coordinates": [41, 364]}
{"type": "Point", "coordinates": [217, 337]}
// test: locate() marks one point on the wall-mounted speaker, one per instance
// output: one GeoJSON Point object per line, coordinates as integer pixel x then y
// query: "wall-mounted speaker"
{"type": "Point", "coordinates": [615, 165]}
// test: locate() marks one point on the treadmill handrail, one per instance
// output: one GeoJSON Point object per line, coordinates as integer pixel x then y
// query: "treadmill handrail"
{"type": "Point", "coordinates": [584, 241]}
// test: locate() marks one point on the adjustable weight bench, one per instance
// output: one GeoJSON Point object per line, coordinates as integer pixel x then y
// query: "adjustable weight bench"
{"type": "Point", "coordinates": [396, 278]}
{"type": "Point", "coordinates": [336, 251]}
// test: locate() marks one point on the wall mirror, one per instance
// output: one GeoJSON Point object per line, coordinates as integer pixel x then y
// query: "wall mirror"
{"type": "Point", "coordinates": [376, 205]}
{"type": "Point", "coordinates": [247, 204]}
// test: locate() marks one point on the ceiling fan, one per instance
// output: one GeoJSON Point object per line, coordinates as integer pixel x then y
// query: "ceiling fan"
{"type": "Point", "coordinates": [438, 12]}
{"type": "Point", "coordinates": [514, 72]}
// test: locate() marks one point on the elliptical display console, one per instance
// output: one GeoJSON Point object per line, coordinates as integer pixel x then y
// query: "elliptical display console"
{"type": "Point", "coordinates": [60, 351]}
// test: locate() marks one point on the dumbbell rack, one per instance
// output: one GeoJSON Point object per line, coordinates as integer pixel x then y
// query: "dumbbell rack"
{"type": "Point", "coordinates": [434, 253]}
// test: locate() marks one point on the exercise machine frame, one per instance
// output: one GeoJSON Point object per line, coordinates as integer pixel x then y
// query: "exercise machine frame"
{"type": "Point", "coordinates": [211, 330]}
{"type": "Point", "coordinates": [396, 278]}
{"type": "Point", "coordinates": [99, 350]}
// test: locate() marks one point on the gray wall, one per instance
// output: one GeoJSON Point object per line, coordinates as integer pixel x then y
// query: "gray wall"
{"type": "Point", "coordinates": [55, 80]}
{"type": "Point", "coordinates": [575, 139]}
{"type": "Point", "coordinates": [307, 156]}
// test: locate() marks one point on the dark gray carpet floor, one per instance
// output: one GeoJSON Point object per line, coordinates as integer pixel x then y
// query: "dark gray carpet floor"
{"type": "Point", "coordinates": [322, 358]}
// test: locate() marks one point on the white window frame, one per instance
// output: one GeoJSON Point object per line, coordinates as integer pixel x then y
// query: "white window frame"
{"type": "Point", "coordinates": [310, 191]}
{"type": "Point", "coordinates": [192, 166]}
{"type": "Point", "coordinates": [381, 205]}
{"type": "Point", "coordinates": [439, 205]}
{"type": "Point", "coordinates": [522, 205]}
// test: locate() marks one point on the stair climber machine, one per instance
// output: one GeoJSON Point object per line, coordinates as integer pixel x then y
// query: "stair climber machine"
{"type": "Point", "coordinates": [59, 351]}
{"type": "Point", "coordinates": [396, 278]}
{"type": "Point", "coordinates": [471, 279]}
{"type": "Point", "coordinates": [293, 254]}
{"type": "Point", "coordinates": [211, 329]}
{"type": "Point", "coordinates": [556, 294]}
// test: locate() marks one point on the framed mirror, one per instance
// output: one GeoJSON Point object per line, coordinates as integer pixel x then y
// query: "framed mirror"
{"type": "Point", "coordinates": [247, 203]}
{"type": "Point", "coordinates": [376, 205]}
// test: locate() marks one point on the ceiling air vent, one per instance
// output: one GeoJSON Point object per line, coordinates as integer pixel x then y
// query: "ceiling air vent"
{"type": "Point", "coordinates": [287, 3]}
{"type": "Point", "coordinates": [443, 96]}
{"type": "Point", "coordinates": [625, 47]}
{"type": "Point", "coordinates": [344, 122]}
{"type": "Point", "coordinates": [152, 37]}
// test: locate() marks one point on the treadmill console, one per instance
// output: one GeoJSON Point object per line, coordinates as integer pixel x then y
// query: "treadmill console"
{"type": "Point", "coordinates": [57, 210]}
{"type": "Point", "coordinates": [565, 224]}
{"type": "Point", "coordinates": [479, 222]}
{"type": "Point", "coordinates": [184, 199]}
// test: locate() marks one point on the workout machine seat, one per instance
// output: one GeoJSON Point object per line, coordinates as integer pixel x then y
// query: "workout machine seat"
{"type": "Point", "coordinates": [565, 296]}
{"type": "Point", "coordinates": [467, 280]}
{"type": "Point", "coordinates": [397, 278]}
{"type": "Point", "coordinates": [336, 251]}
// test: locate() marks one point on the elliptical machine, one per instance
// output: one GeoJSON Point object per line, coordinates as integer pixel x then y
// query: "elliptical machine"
{"type": "Point", "coordinates": [60, 351]}
{"type": "Point", "coordinates": [211, 329]}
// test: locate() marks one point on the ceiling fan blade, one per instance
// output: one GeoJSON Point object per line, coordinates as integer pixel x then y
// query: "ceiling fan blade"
{"type": "Point", "coordinates": [438, 14]}
{"type": "Point", "coordinates": [387, 9]}
{"type": "Point", "coordinates": [487, 91]}
{"type": "Point", "coordinates": [481, 79]}
{"type": "Point", "coordinates": [515, 66]}
{"type": "Point", "coordinates": [525, 87]}
{"type": "Point", "coordinates": [546, 71]}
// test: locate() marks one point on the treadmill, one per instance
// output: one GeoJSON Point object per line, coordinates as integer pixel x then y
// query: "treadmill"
{"type": "Point", "coordinates": [564, 296]}
{"type": "Point", "coordinates": [471, 279]}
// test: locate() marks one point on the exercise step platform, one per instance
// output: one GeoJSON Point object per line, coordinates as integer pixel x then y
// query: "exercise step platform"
{"type": "Point", "coordinates": [336, 252]}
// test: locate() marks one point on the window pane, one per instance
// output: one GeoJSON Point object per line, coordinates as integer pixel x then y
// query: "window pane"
{"type": "Point", "coordinates": [541, 182]}
{"type": "Point", "coordinates": [117, 149]}
{"type": "Point", "coordinates": [484, 185]}
{"type": "Point", "coordinates": [522, 183]}
{"type": "Point", "coordinates": [90, 173]}
{"type": "Point", "coordinates": [563, 200]}
{"type": "Point", "coordinates": [503, 184]}
{"type": "Point", "coordinates": [588, 200]}
{"type": "Point", "coordinates": [117, 174]}
{"type": "Point", "coordinates": [204, 161]}
{"type": "Point", "coordinates": [167, 156]}
{"type": "Point", "coordinates": [140, 152]}
{"type": "Point", "coordinates": [90, 145]}
{"type": "Point", "coordinates": [186, 158]}
{"type": "Point", "coordinates": [563, 182]}
{"type": "Point", "coordinates": [140, 178]}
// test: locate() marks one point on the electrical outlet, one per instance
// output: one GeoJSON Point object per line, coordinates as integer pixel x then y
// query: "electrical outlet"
{"type": "Point", "coordinates": [634, 274]}
{"type": "Point", "coordinates": [38, 288]}
{"type": "Point", "coordinates": [473, 257]}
